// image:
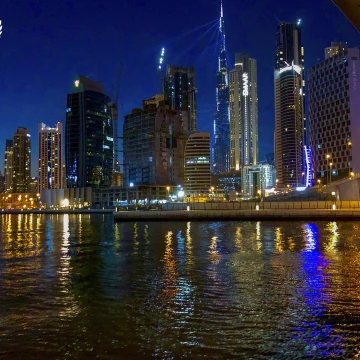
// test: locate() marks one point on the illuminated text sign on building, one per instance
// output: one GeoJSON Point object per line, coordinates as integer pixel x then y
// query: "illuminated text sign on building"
{"type": "Point", "coordinates": [245, 78]}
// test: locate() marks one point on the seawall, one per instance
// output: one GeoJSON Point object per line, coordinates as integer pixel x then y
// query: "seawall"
{"type": "Point", "coordinates": [252, 215]}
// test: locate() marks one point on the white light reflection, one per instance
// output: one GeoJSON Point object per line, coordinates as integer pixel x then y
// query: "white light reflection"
{"type": "Point", "coordinates": [310, 237]}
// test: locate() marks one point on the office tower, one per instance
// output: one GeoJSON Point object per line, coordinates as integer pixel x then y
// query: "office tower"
{"type": "Point", "coordinates": [50, 157]}
{"type": "Point", "coordinates": [21, 161]}
{"type": "Point", "coordinates": [180, 92]}
{"type": "Point", "coordinates": [243, 113]}
{"type": "Point", "coordinates": [153, 144]}
{"type": "Point", "coordinates": [2, 183]}
{"type": "Point", "coordinates": [290, 129]}
{"type": "Point", "coordinates": [8, 166]}
{"type": "Point", "coordinates": [334, 115]}
{"type": "Point", "coordinates": [197, 174]}
{"type": "Point", "coordinates": [88, 135]}
{"type": "Point", "coordinates": [335, 48]}
{"type": "Point", "coordinates": [221, 149]}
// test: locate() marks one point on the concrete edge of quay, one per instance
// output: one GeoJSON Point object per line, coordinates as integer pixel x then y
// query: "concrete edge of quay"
{"type": "Point", "coordinates": [252, 215]}
{"type": "Point", "coordinates": [49, 211]}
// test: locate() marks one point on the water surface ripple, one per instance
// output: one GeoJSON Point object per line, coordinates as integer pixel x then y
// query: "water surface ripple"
{"type": "Point", "coordinates": [82, 287]}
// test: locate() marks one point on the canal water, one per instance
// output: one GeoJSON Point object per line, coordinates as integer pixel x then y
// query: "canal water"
{"type": "Point", "coordinates": [82, 287]}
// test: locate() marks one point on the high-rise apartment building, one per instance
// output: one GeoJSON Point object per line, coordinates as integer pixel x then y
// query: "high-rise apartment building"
{"type": "Point", "coordinates": [243, 113]}
{"type": "Point", "coordinates": [153, 145]}
{"type": "Point", "coordinates": [335, 48]}
{"type": "Point", "coordinates": [221, 149]}
{"type": "Point", "coordinates": [21, 161]}
{"type": "Point", "coordinates": [334, 115]}
{"type": "Point", "coordinates": [180, 92]}
{"type": "Point", "coordinates": [197, 175]}
{"type": "Point", "coordinates": [8, 165]}
{"type": "Point", "coordinates": [88, 135]}
{"type": "Point", "coordinates": [290, 124]}
{"type": "Point", "coordinates": [50, 157]}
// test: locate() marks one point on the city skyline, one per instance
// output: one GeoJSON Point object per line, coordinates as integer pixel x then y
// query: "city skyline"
{"type": "Point", "coordinates": [59, 55]}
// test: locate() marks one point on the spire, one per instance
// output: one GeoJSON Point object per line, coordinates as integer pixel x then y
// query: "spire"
{"type": "Point", "coordinates": [222, 27]}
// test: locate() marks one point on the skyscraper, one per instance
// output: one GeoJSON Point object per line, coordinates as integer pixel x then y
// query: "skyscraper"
{"type": "Point", "coordinates": [21, 161]}
{"type": "Point", "coordinates": [154, 140]}
{"type": "Point", "coordinates": [221, 150]}
{"type": "Point", "coordinates": [180, 92]}
{"type": "Point", "coordinates": [334, 115]}
{"type": "Point", "coordinates": [8, 165]}
{"type": "Point", "coordinates": [50, 157]}
{"type": "Point", "coordinates": [88, 135]}
{"type": "Point", "coordinates": [243, 113]}
{"type": "Point", "coordinates": [290, 129]}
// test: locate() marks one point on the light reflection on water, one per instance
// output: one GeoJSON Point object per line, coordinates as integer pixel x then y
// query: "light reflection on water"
{"type": "Point", "coordinates": [83, 287]}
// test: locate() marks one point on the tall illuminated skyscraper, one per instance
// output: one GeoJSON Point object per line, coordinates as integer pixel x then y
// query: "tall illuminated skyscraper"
{"type": "Point", "coordinates": [50, 157]}
{"type": "Point", "coordinates": [88, 135]}
{"type": "Point", "coordinates": [290, 125]}
{"type": "Point", "coordinates": [8, 165]}
{"type": "Point", "coordinates": [180, 92]}
{"type": "Point", "coordinates": [243, 113]}
{"type": "Point", "coordinates": [221, 149]}
{"type": "Point", "coordinates": [21, 161]}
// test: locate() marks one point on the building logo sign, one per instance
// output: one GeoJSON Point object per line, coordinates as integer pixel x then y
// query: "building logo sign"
{"type": "Point", "coordinates": [245, 78]}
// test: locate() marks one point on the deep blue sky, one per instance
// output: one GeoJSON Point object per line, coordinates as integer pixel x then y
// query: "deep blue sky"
{"type": "Point", "coordinates": [46, 43]}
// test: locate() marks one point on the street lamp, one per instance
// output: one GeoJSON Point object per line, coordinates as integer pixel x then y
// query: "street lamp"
{"type": "Point", "coordinates": [167, 192]}
{"type": "Point", "coordinates": [327, 171]}
{"type": "Point", "coordinates": [331, 164]}
{"type": "Point", "coordinates": [349, 154]}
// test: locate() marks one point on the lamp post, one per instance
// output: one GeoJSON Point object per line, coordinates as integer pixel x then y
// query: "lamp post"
{"type": "Point", "coordinates": [331, 164]}
{"type": "Point", "coordinates": [349, 154]}
{"type": "Point", "coordinates": [327, 171]}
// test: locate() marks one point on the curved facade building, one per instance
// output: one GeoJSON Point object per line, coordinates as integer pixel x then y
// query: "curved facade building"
{"type": "Point", "coordinates": [197, 174]}
{"type": "Point", "coordinates": [290, 129]}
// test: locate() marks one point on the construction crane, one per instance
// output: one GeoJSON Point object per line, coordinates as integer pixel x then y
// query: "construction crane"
{"type": "Point", "coordinates": [115, 116]}
{"type": "Point", "coordinates": [161, 85]}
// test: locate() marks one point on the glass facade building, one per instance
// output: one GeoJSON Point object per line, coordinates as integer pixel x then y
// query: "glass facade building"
{"type": "Point", "coordinates": [88, 136]}
{"type": "Point", "coordinates": [180, 92]}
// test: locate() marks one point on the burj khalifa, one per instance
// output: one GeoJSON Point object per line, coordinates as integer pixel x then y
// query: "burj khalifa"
{"type": "Point", "coordinates": [221, 144]}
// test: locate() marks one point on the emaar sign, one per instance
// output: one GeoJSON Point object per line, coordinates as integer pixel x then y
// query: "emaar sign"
{"type": "Point", "coordinates": [245, 78]}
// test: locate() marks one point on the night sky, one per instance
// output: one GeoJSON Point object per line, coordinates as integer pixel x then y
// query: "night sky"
{"type": "Point", "coordinates": [46, 43]}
